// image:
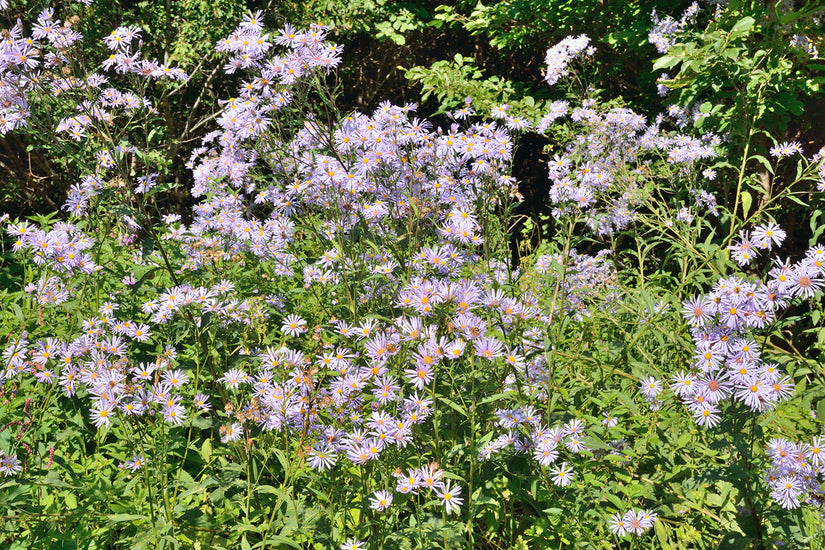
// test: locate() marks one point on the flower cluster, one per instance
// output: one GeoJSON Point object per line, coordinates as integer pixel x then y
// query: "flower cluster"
{"type": "Point", "coordinates": [727, 361]}
{"type": "Point", "coordinates": [794, 475]}
{"type": "Point", "coordinates": [764, 237]}
{"type": "Point", "coordinates": [584, 282]}
{"type": "Point", "coordinates": [805, 44]}
{"type": "Point", "coordinates": [786, 149]}
{"type": "Point", "coordinates": [22, 61]}
{"type": "Point", "coordinates": [63, 248]}
{"type": "Point", "coordinates": [123, 60]}
{"type": "Point", "coordinates": [632, 522]}
{"type": "Point", "coordinates": [527, 434]}
{"type": "Point", "coordinates": [598, 174]}
{"type": "Point", "coordinates": [661, 34]}
{"type": "Point", "coordinates": [559, 57]}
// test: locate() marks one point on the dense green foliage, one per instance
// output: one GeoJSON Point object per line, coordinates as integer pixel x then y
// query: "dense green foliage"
{"type": "Point", "coordinates": [245, 303]}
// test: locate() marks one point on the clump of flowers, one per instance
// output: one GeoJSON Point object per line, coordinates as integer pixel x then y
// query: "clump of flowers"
{"type": "Point", "coordinates": [559, 57]}
{"type": "Point", "coordinates": [596, 178]}
{"type": "Point", "coordinates": [584, 282]}
{"type": "Point", "coordinates": [804, 43]}
{"type": "Point", "coordinates": [632, 522]}
{"type": "Point", "coordinates": [661, 34]}
{"type": "Point", "coordinates": [727, 361]}
{"type": "Point", "coordinates": [796, 471]}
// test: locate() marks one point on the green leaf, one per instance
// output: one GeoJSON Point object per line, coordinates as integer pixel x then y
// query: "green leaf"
{"type": "Point", "coordinates": [616, 501]}
{"type": "Point", "coordinates": [764, 162]}
{"type": "Point", "coordinates": [455, 406]}
{"type": "Point", "coordinates": [742, 26]}
{"type": "Point", "coordinates": [665, 62]}
{"type": "Point", "coordinates": [747, 201]}
{"type": "Point", "coordinates": [122, 518]}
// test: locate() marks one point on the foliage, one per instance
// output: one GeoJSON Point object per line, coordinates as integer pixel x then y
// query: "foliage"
{"type": "Point", "coordinates": [331, 348]}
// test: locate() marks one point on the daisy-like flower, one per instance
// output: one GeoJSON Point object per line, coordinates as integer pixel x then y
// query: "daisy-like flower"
{"type": "Point", "coordinates": [649, 517]}
{"type": "Point", "coordinates": [232, 432]}
{"type": "Point", "coordinates": [175, 378]}
{"type": "Point", "coordinates": [45, 376]}
{"type": "Point", "coordinates": [575, 445]}
{"type": "Point", "coordinates": [101, 414]}
{"type": "Point", "coordinates": [233, 377]}
{"type": "Point", "coordinates": [618, 525]}
{"type": "Point", "coordinates": [380, 500]}
{"type": "Point", "coordinates": [201, 401]}
{"type": "Point", "coordinates": [637, 522]}
{"type": "Point", "coordinates": [815, 452]}
{"type": "Point", "coordinates": [139, 332]}
{"type": "Point", "coordinates": [743, 251]}
{"type": "Point", "coordinates": [354, 544]}
{"type": "Point", "coordinates": [696, 311]}
{"type": "Point", "coordinates": [609, 421]}
{"type": "Point", "coordinates": [9, 464]}
{"type": "Point", "coordinates": [706, 416]}
{"type": "Point", "coordinates": [323, 457]}
{"type": "Point", "coordinates": [765, 236]}
{"type": "Point", "coordinates": [449, 497]}
{"type": "Point", "coordinates": [650, 387]}
{"type": "Point", "coordinates": [294, 325]}
{"type": "Point", "coordinates": [786, 491]}
{"type": "Point", "coordinates": [135, 463]}
{"type": "Point", "coordinates": [562, 475]}
{"type": "Point", "coordinates": [174, 413]}
{"type": "Point", "coordinates": [545, 453]}
{"type": "Point", "coordinates": [806, 282]}
{"type": "Point", "coordinates": [420, 376]}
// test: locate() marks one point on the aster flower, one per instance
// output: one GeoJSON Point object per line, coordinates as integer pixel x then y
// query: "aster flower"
{"type": "Point", "coordinates": [323, 457]}
{"type": "Point", "coordinates": [294, 325]}
{"type": "Point", "coordinates": [381, 500]}
{"type": "Point", "coordinates": [354, 544]}
{"type": "Point", "coordinates": [650, 387]}
{"type": "Point", "coordinates": [806, 282]}
{"type": "Point", "coordinates": [450, 497]}
{"type": "Point", "coordinates": [562, 475]}
{"type": "Point", "coordinates": [768, 235]}
{"type": "Point", "coordinates": [816, 452]}
{"type": "Point", "coordinates": [706, 416]}
{"type": "Point", "coordinates": [232, 432]}
{"type": "Point", "coordinates": [144, 371]}
{"type": "Point", "coordinates": [175, 378]}
{"type": "Point", "coordinates": [135, 463]}
{"type": "Point", "coordinates": [743, 251]}
{"type": "Point", "coordinates": [100, 414]}
{"type": "Point", "coordinates": [233, 377]}
{"type": "Point", "coordinates": [786, 491]}
{"type": "Point", "coordinates": [174, 413]}
{"type": "Point", "coordinates": [420, 376]}
{"type": "Point", "coordinates": [618, 525]}
{"type": "Point", "coordinates": [695, 311]}
{"type": "Point", "coordinates": [9, 464]}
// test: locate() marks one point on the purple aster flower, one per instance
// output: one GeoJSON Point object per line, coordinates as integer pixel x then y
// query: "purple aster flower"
{"type": "Point", "coordinates": [135, 463]}
{"type": "Point", "coordinates": [9, 464]}
{"type": "Point", "coordinates": [232, 432]}
{"type": "Point", "coordinates": [380, 500]}
{"type": "Point", "coordinates": [562, 475]}
{"type": "Point", "coordinates": [450, 497]}
{"type": "Point", "coordinates": [322, 457]}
